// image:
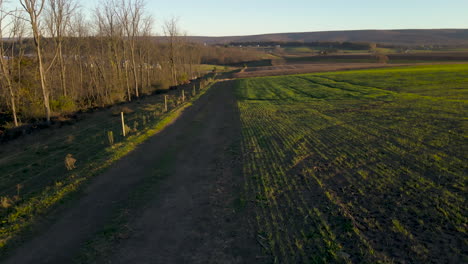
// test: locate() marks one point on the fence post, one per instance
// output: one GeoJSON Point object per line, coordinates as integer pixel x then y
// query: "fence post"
{"type": "Point", "coordinates": [123, 123]}
{"type": "Point", "coordinates": [183, 96]}
{"type": "Point", "coordinates": [165, 103]}
{"type": "Point", "coordinates": [110, 137]}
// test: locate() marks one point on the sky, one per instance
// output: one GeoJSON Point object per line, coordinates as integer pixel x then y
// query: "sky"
{"type": "Point", "coordinates": [248, 17]}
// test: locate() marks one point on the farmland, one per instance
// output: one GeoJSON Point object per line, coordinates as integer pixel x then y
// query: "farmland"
{"type": "Point", "coordinates": [358, 166]}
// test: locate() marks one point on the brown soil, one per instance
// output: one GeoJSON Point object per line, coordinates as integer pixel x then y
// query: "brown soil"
{"type": "Point", "coordinates": [419, 56]}
{"type": "Point", "coordinates": [191, 218]}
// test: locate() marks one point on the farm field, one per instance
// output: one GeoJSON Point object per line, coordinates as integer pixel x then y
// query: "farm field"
{"type": "Point", "coordinates": [274, 132]}
{"type": "Point", "coordinates": [359, 166]}
{"type": "Point", "coordinates": [394, 58]}
{"type": "Point", "coordinates": [289, 69]}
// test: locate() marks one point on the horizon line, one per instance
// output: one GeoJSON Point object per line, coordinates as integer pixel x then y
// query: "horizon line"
{"type": "Point", "coordinates": [322, 31]}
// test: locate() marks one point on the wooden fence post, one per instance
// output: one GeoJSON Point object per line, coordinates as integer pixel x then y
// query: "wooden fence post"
{"type": "Point", "coordinates": [183, 96]}
{"type": "Point", "coordinates": [110, 137]}
{"type": "Point", "coordinates": [165, 103]}
{"type": "Point", "coordinates": [123, 123]}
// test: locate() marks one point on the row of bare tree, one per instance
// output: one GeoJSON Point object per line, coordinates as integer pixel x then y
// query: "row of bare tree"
{"type": "Point", "coordinates": [55, 59]}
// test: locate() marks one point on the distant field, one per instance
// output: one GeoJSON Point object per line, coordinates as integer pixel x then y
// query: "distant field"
{"type": "Point", "coordinates": [359, 166]}
{"type": "Point", "coordinates": [203, 68]}
{"type": "Point", "coordinates": [418, 57]}
{"type": "Point", "coordinates": [300, 49]}
{"type": "Point", "coordinates": [301, 68]}
{"type": "Point", "coordinates": [310, 50]}
{"type": "Point", "coordinates": [305, 50]}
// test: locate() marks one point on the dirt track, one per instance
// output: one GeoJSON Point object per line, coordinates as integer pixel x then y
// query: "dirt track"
{"type": "Point", "coordinates": [191, 218]}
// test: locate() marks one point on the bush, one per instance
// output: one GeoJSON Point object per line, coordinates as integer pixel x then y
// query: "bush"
{"type": "Point", "coordinates": [63, 104]}
{"type": "Point", "coordinates": [183, 78]}
{"type": "Point", "coordinates": [162, 84]}
{"type": "Point", "coordinates": [32, 110]}
{"type": "Point", "coordinates": [382, 58]}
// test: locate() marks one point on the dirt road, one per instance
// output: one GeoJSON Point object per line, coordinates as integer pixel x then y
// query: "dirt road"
{"type": "Point", "coordinates": [191, 215]}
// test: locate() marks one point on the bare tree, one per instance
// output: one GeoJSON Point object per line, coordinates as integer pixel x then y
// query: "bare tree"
{"type": "Point", "coordinates": [76, 65]}
{"type": "Point", "coordinates": [59, 16]}
{"type": "Point", "coordinates": [18, 31]}
{"type": "Point", "coordinates": [131, 16]}
{"type": "Point", "coordinates": [79, 32]}
{"type": "Point", "coordinates": [4, 63]}
{"type": "Point", "coordinates": [33, 9]}
{"type": "Point", "coordinates": [144, 51]}
{"type": "Point", "coordinates": [111, 31]}
{"type": "Point", "coordinates": [171, 31]}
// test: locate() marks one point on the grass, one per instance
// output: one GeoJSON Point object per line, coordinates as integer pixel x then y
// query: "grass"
{"type": "Point", "coordinates": [358, 166]}
{"type": "Point", "coordinates": [439, 81]}
{"type": "Point", "coordinates": [299, 49]}
{"type": "Point", "coordinates": [365, 58]}
{"type": "Point", "coordinates": [210, 67]}
{"type": "Point", "coordinates": [46, 182]}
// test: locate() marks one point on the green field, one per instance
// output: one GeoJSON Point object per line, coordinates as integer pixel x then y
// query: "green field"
{"type": "Point", "coordinates": [299, 49]}
{"type": "Point", "coordinates": [358, 166]}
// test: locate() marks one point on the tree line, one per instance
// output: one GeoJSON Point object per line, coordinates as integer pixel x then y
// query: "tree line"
{"type": "Point", "coordinates": [56, 57]}
{"type": "Point", "coordinates": [312, 44]}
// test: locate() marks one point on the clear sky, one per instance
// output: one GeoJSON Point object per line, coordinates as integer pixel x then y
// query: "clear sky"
{"type": "Point", "coordinates": [246, 17]}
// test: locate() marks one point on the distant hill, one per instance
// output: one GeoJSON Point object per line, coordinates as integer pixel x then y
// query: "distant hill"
{"type": "Point", "coordinates": [410, 37]}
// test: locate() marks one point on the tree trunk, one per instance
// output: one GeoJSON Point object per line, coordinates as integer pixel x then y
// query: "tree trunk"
{"type": "Point", "coordinates": [135, 73]}
{"type": "Point", "coordinates": [142, 78]}
{"type": "Point", "coordinates": [129, 94]}
{"type": "Point", "coordinates": [13, 105]}
{"type": "Point", "coordinates": [7, 77]}
{"type": "Point", "coordinates": [62, 70]}
{"type": "Point", "coordinates": [45, 93]}
{"type": "Point", "coordinates": [10, 90]}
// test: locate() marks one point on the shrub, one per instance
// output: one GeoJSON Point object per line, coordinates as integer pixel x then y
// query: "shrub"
{"type": "Point", "coordinates": [162, 84]}
{"type": "Point", "coordinates": [63, 104]}
{"type": "Point", "coordinates": [32, 110]}
{"type": "Point", "coordinates": [6, 202]}
{"type": "Point", "coordinates": [382, 58]}
{"type": "Point", "coordinates": [183, 78]}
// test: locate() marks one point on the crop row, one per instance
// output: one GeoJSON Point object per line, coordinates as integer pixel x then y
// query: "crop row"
{"type": "Point", "coordinates": [342, 172]}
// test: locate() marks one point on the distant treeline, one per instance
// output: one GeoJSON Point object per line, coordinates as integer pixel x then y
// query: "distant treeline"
{"type": "Point", "coordinates": [340, 45]}
{"type": "Point", "coordinates": [335, 45]}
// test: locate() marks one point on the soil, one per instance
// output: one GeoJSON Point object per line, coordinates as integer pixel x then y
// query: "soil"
{"type": "Point", "coordinates": [191, 218]}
